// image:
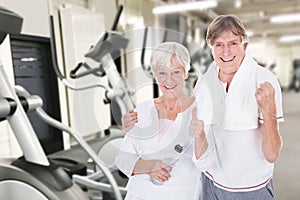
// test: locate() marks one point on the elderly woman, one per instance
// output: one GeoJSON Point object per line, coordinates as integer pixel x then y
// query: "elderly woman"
{"type": "Point", "coordinates": [157, 153]}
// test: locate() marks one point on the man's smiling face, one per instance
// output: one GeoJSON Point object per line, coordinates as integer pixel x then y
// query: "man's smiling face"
{"type": "Point", "coordinates": [228, 52]}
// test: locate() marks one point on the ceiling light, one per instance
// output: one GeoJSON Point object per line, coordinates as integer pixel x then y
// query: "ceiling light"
{"type": "Point", "coordinates": [261, 14]}
{"type": "Point", "coordinates": [286, 18]}
{"type": "Point", "coordinates": [289, 38]}
{"type": "Point", "coordinates": [238, 4]}
{"type": "Point", "coordinates": [250, 33]}
{"type": "Point", "coordinates": [195, 5]}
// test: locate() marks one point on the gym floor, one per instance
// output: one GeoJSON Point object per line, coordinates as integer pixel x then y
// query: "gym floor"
{"type": "Point", "coordinates": [286, 175]}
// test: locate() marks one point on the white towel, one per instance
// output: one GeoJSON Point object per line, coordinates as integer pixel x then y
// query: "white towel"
{"type": "Point", "coordinates": [241, 111]}
{"type": "Point", "coordinates": [210, 97]}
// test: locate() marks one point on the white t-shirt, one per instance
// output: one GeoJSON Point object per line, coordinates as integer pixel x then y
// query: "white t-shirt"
{"type": "Point", "coordinates": [147, 141]}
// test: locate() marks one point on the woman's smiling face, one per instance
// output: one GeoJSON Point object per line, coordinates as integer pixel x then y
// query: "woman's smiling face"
{"type": "Point", "coordinates": [228, 52]}
{"type": "Point", "coordinates": [171, 80]}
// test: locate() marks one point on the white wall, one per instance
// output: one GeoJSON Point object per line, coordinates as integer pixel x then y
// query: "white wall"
{"type": "Point", "coordinates": [107, 8]}
{"type": "Point", "coordinates": [269, 52]}
{"type": "Point", "coordinates": [286, 56]}
{"type": "Point", "coordinates": [35, 14]}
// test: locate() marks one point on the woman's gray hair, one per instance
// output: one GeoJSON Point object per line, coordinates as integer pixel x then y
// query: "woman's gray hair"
{"type": "Point", "coordinates": [164, 52]}
{"type": "Point", "coordinates": [224, 23]}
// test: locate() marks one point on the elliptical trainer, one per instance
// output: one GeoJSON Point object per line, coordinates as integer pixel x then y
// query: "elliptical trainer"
{"type": "Point", "coordinates": [34, 176]}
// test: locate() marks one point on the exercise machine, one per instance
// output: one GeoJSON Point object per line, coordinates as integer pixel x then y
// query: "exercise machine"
{"type": "Point", "coordinates": [295, 83]}
{"type": "Point", "coordinates": [35, 176]}
{"type": "Point", "coordinates": [98, 61]}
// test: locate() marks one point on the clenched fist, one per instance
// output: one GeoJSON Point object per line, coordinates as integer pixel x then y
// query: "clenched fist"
{"type": "Point", "coordinates": [265, 97]}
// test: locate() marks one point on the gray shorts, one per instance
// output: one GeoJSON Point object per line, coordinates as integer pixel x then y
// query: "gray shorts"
{"type": "Point", "coordinates": [211, 192]}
